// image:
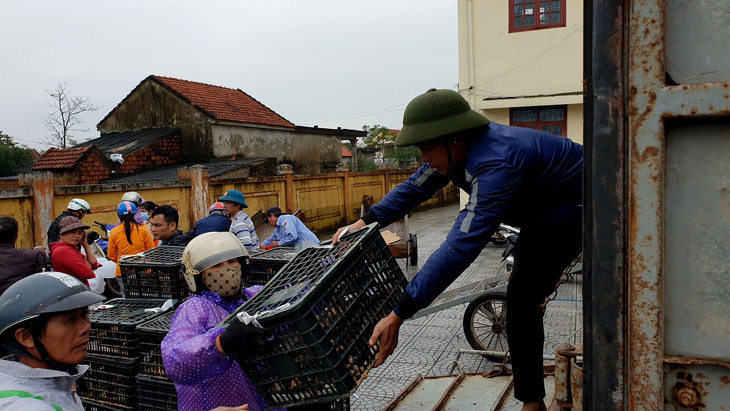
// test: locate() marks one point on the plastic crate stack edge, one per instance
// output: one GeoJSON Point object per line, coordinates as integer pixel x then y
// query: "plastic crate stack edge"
{"type": "Point", "coordinates": [114, 352]}
{"type": "Point", "coordinates": [323, 306]}
{"type": "Point", "coordinates": [154, 274]}
{"type": "Point", "coordinates": [263, 266]}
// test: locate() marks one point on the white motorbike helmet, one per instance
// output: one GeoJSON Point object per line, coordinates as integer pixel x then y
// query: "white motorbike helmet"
{"type": "Point", "coordinates": [133, 197]}
{"type": "Point", "coordinates": [207, 250]}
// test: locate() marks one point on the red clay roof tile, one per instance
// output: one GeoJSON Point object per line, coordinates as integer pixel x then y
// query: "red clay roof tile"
{"type": "Point", "coordinates": [222, 103]}
{"type": "Point", "coordinates": [346, 152]}
{"type": "Point", "coordinates": [57, 158]}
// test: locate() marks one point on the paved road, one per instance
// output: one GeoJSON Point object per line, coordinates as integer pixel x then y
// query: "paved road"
{"type": "Point", "coordinates": [430, 345]}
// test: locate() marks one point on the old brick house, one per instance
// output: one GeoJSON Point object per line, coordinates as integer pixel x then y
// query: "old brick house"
{"type": "Point", "coordinates": [75, 166]}
{"type": "Point", "coordinates": [221, 122]}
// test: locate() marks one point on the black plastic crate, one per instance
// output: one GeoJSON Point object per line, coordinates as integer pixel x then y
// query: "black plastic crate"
{"type": "Point", "coordinates": [151, 334]}
{"type": "Point", "coordinates": [97, 406]}
{"type": "Point", "coordinates": [110, 382]}
{"type": "Point", "coordinates": [154, 274]}
{"type": "Point", "coordinates": [264, 265]}
{"type": "Point", "coordinates": [113, 330]}
{"type": "Point", "coordinates": [323, 306]}
{"type": "Point", "coordinates": [154, 394]}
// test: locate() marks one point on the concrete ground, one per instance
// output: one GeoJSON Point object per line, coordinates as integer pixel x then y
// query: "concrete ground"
{"type": "Point", "coordinates": [431, 345]}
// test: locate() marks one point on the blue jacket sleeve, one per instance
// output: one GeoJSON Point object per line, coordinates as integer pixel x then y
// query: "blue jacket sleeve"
{"type": "Point", "coordinates": [274, 237]}
{"type": "Point", "coordinates": [494, 188]}
{"type": "Point", "coordinates": [419, 187]}
{"type": "Point", "coordinates": [188, 350]}
{"type": "Point", "coordinates": [289, 235]}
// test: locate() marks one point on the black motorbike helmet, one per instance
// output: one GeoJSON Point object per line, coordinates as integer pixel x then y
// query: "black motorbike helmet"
{"type": "Point", "coordinates": [34, 296]}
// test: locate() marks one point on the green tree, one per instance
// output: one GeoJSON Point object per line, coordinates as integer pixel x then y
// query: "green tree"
{"type": "Point", "coordinates": [12, 157]}
{"type": "Point", "coordinates": [402, 157]}
{"type": "Point", "coordinates": [378, 135]}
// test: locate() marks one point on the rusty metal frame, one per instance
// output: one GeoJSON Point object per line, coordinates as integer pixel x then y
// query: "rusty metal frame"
{"type": "Point", "coordinates": [627, 101]}
{"type": "Point", "coordinates": [604, 204]}
{"type": "Point", "coordinates": [650, 102]}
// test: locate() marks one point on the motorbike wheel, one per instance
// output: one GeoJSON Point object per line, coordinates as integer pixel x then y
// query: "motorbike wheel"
{"type": "Point", "coordinates": [112, 290]}
{"type": "Point", "coordinates": [485, 323]}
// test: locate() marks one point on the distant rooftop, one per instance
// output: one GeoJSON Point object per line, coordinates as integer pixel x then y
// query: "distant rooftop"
{"type": "Point", "coordinates": [127, 142]}
{"type": "Point", "coordinates": [219, 103]}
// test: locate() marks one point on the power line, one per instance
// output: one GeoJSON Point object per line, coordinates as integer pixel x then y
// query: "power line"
{"type": "Point", "coordinates": [531, 59]}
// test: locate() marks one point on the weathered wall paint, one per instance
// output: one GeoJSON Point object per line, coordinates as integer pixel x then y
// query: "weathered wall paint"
{"type": "Point", "coordinates": [151, 105]}
{"type": "Point", "coordinates": [307, 153]}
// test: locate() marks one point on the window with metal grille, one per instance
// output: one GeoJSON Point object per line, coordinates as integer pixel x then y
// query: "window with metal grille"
{"type": "Point", "coordinates": [535, 14]}
{"type": "Point", "coordinates": [550, 119]}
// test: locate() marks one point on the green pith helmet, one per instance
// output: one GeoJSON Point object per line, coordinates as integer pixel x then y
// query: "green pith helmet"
{"type": "Point", "coordinates": [435, 114]}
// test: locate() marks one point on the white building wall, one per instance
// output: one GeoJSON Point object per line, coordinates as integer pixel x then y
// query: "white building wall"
{"type": "Point", "coordinates": [499, 70]}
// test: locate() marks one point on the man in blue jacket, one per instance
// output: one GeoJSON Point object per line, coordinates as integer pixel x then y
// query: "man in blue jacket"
{"type": "Point", "coordinates": [217, 220]}
{"type": "Point", "coordinates": [518, 176]}
{"type": "Point", "coordinates": [289, 231]}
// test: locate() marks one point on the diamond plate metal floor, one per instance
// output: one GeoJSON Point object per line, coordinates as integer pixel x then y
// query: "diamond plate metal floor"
{"type": "Point", "coordinates": [430, 345]}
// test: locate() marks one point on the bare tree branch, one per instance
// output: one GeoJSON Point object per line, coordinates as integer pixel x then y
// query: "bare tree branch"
{"type": "Point", "coordinates": [66, 116]}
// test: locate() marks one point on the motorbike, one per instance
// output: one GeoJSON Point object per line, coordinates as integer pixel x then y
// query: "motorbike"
{"type": "Point", "coordinates": [500, 236]}
{"type": "Point", "coordinates": [106, 279]}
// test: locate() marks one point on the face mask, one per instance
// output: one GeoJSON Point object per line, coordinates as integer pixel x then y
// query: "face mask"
{"type": "Point", "coordinates": [145, 216]}
{"type": "Point", "coordinates": [226, 281]}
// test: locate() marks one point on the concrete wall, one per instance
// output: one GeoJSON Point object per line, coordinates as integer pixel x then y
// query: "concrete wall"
{"type": "Point", "coordinates": [329, 200]}
{"type": "Point", "coordinates": [305, 152]}
{"type": "Point", "coordinates": [151, 105]}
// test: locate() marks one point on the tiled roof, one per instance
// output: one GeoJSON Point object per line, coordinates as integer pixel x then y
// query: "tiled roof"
{"type": "Point", "coordinates": [219, 103]}
{"type": "Point", "coordinates": [346, 152]}
{"type": "Point", "coordinates": [127, 142]}
{"type": "Point", "coordinates": [60, 158]}
{"type": "Point", "coordinates": [169, 173]}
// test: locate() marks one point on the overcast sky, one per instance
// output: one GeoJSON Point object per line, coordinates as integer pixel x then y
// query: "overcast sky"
{"type": "Point", "coordinates": [325, 62]}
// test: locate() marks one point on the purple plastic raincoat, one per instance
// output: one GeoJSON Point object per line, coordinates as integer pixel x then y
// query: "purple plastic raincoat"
{"type": "Point", "coordinates": [204, 378]}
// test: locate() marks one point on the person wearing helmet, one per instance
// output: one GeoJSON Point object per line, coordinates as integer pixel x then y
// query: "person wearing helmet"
{"type": "Point", "coordinates": [76, 208]}
{"type": "Point", "coordinates": [128, 238]}
{"type": "Point", "coordinates": [241, 224]}
{"type": "Point", "coordinates": [216, 221]}
{"type": "Point", "coordinates": [289, 232]}
{"type": "Point", "coordinates": [45, 326]}
{"type": "Point", "coordinates": [66, 256]}
{"type": "Point", "coordinates": [519, 176]}
{"type": "Point", "coordinates": [136, 199]}
{"type": "Point", "coordinates": [198, 357]}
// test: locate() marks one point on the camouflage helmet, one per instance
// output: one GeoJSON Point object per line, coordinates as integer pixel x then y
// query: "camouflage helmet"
{"type": "Point", "coordinates": [435, 114]}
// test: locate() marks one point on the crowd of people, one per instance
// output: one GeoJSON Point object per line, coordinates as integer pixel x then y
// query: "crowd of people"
{"type": "Point", "coordinates": [44, 334]}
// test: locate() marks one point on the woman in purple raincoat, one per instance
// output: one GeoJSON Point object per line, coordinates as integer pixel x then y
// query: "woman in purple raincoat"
{"type": "Point", "coordinates": [199, 357]}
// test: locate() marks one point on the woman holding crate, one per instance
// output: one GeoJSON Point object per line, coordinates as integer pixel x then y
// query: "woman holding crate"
{"type": "Point", "coordinates": [199, 357]}
{"type": "Point", "coordinates": [128, 238]}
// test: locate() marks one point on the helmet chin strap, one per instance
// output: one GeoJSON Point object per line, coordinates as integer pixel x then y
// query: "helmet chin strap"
{"type": "Point", "coordinates": [451, 162]}
{"type": "Point", "coordinates": [56, 365]}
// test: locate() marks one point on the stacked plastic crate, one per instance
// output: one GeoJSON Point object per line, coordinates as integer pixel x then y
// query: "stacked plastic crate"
{"type": "Point", "coordinates": [323, 306]}
{"type": "Point", "coordinates": [155, 390]}
{"type": "Point", "coordinates": [154, 274]}
{"type": "Point", "coordinates": [113, 353]}
{"type": "Point", "coordinates": [263, 266]}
